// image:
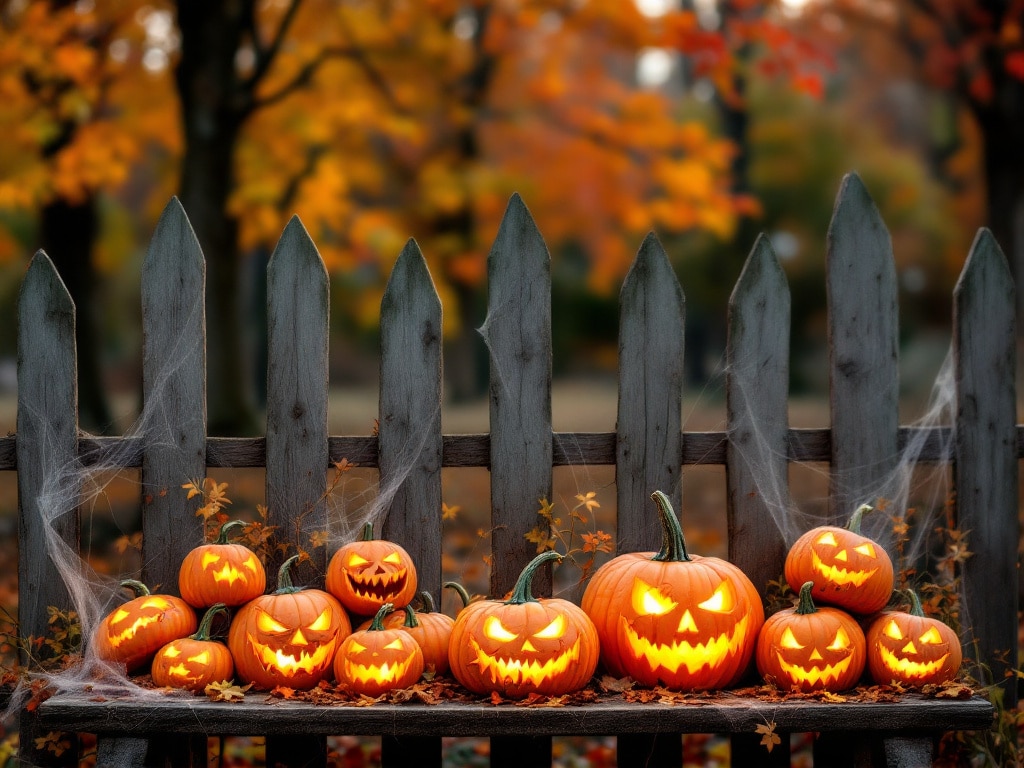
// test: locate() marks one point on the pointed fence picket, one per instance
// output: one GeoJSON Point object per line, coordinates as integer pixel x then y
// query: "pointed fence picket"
{"type": "Point", "coordinates": [649, 448]}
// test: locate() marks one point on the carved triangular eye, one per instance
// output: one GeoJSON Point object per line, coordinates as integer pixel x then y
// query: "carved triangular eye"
{"type": "Point", "coordinates": [495, 630]}
{"type": "Point", "coordinates": [209, 558]}
{"type": "Point", "coordinates": [553, 630]}
{"type": "Point", "coordinates": [720, 602]}
{"type": "Point", "coordinates": [789, 640]}
{"type": "Point", "coordinates": [200, 658]}
{"type": "Point", "coordinates": [865, 549]}
{"type": "Point", "coordinates": [649, 601]}
{"type": "Point", "coordinates": [931, 637]}
{"type": "Point", "coordinates": [394, 558]}
{"type": "Point", "coordinates": [356, 647]}
{"type": "Point", "coordinates": [892, 630]}
{"type": "Point", "coordinates": [395, 645]}
{"type": "Point", "coordinates": [841, 641]}
{"type": "Point", "coordinates": [323, 621]}
{"type": "Point", "coordinates": [828, 538]}
{"type": "Point", "coordinates": [267, 623]}
{"type": "Point", "coordinates": [356, 560]}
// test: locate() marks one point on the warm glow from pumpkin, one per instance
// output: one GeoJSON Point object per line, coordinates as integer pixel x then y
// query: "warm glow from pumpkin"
{"type": "Point", "coordinates": [322, 622]}
{"type": "Point", "coordinates": [554, 630]}
{"type": "Point", "coordinates": [495, 630]}
{"type": "Point", "coordinates": [908, 668]}
{"type": "Point", "coordinates": [720, 602]}
{"type": "Point", "coordinates": [267, 623]}
{"type": "Point", "coordinates": [379, 585]}
{"type": "Point", "coordinates": [840, 576]}
{"type": "Point", "coordinates": [892, 630]}
{"type": "Point", "coordinates": [679, 653]}
{"type": "Point", "coordinates": [516, 671]}
{"type": "Point", "coordinates": [789, 640]}
{"type": "Point", "coordinates": [288, 664]}
{"type": "Point", "coordinates": [356, 560]}
{"type": "Point", "coordinates": [228, 572]}
{"type": "Point", "coordinates": [140, 621]}
{"type": "Point", "coordinates": [814, 674]}
{"type": "Point", "coordinates": [650, 601]}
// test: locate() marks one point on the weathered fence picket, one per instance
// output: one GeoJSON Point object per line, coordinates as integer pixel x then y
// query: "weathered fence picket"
{"type": "Point", "coordinates": [649, 449]}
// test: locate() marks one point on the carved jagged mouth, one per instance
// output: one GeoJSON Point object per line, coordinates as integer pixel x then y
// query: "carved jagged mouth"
{"type": "Point", "coordinates": [274, 659]}
{"type": "Point", "coordinates": [908, 668]}
{"type": "Point", "coordinates": [367, 673]}
{"type": "Point", "coordinates": [378, 586]}
{"type": "Point", "coordinates": [507, 671]}
{"type": "Point", "coordinates": [228, 572]}
{"type": "Point", "coordinates": [139, 623]}
{"type": "Point", "coordinates": [840, 576]}
{"type": "Point", "coordinates": [676, 654]}
{"type": "Point", "coordinates": [815, 675]}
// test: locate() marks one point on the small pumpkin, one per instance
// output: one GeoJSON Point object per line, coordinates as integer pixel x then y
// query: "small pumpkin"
{"type": "Point", "coordinates": [848, 570]}
{"type": "Point", "coordinates": [912, 648]}
{"type": "Point", "coordinates": [811, 648]}
{"type": "Point", "coordinates": [523, 645]}
{"type": "Point", "coordinates": [671, 618]}
{"type": "Point", "coordinates": [288, 637]}
{"type": "Point", "coordinates": [365, 574]}
{"type": "Point", "coordinates": [221, 572]}
{"type": "Point", "coordinates": [133, 632]}
{"type": "Point", "coordinates": [377, 659]}
{"type": "Point", "coordinates": [431, 631]}
{"type": "Point", "coordinates": [195, 661]}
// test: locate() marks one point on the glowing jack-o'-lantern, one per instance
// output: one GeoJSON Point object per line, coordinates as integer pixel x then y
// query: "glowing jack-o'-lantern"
{"type": "Point", "coordinates": [132, 633]}
{"type": "Point", "coordinates": [672, 618]}
{"type": "Point", "coordinates": [523, 645]}
{"type": "Point", "coordinates": [288, 637]}
{"type": "Point", "coordinates": [848, 570]}
{"type": "Point", "coordinates": [811, 648]}
{"type": "Point", "coordinates": [377, 659]}
{"type": "Point", "coordinates": [195, 661]}
{"type": "Point", "coordinates": [911, 648]}
{"type": "Point", "coordinates": [221, 572]}
{"type": "Point", "coordinates": [431, 631]}
{"type": "Point", "coordinates": [365, 574]}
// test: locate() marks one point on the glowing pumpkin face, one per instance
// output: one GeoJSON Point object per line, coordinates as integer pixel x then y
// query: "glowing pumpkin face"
{"type": "Point", "coordinates": [523, 645]}
{"type": "Point", "coordinates": [132, 633]}
{"type": "Point", "coordinates": [912, 649]}
{"type": "Point", "coordinates": [289, 637]}
{"type": "Point", "coordinates": [673, 619]}
{"type": "Point", "coordinates": [221, 572]}
{"type": "Point", "coordinates": [195, 661]}
{"type": "Point", "coordinates": [431, 631]}
{"type": "Point", "coordinates": [848, 570]}
{"type": "Point", "coordinates": [365, 574]}
{"type": "Point", "coordinates": [377, 659]}
{"type": "Point", "coordinates": [811, 648]}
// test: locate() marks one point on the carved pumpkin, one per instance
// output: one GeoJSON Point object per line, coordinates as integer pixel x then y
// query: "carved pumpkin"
{"type": "Point", "coordinates": [911, 648]}
{"type": "Point", "coordinates": [288, 637]}
{"type": "Point", "coordinates": [195, 661]}
{"type": "Point", "coordinates": [523, 645]}
{"type": "Point", "coordinates": [365, 574]}
{"type": "Point", "coordinates": [811, 648]}
{"type": "Point", "coordinates": [431, 631]}
{"type": "Point", "coordinates": [221, 572]}
{"type": "Point", "coordinates": [376, 660]}
{"type": "Point", "coordinates": [671, 618]}
{"type": "Point", "coordinates": [848, 570]}
{"type": "Point", "coordinates": [132, 633]}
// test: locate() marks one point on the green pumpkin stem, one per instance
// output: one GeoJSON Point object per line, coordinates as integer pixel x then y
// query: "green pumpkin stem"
{"type": "Point", "coordinates": [368, 532]}
{"type": "Point", "coordinates": [915, 603]}
{"type": "Point", "coordinates": [673, 546]}
{"type": "Point", "coordinates": [461, 590]}
{"type": "Point", "coordinates": [203, 633]}
{"type": "Point", "coordinates": [377, 625]}
{"type": "Point", "coordinates": [854, 525]}
{"type": "Point", "coordinates": [428, 602]}
{"type": "Point", "coordinates": [806, 605]}
{"type": "Point", "coordinates": [522, 592]}
{"type": "Point", "coordinates": [230, 525]}
{"type": "Point", "coordinates": [135, 586]}
{"type": "Point", "coordinates": [411, 622]}
{"type": "Point", "coordinates": [284, 577]}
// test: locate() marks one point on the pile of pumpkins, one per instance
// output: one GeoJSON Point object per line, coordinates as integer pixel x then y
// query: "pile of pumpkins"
{"type": "Point", "coordinates": [668, 618]}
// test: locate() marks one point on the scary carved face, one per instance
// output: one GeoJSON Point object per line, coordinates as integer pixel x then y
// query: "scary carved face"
{"type": "Point", "coordinates": [913, 650]}
{"type": "Point", "coordinates": [132, 633]}
{"type": "Point", "coordinates": [192, 664]}
{"type": "Point", "coordinates": [221, 573]}
{"type": "Point", "coordinates": [364, 575]}
{"type": "Point", "coordinates": [372, 661]}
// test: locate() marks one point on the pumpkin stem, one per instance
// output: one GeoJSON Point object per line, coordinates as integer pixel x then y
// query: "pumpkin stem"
{"type": "Point", "coordinates": [410, 618]}
{"type": "Point", "coordinates": [461, 590]}
{"type": "Point", "coordinates": [222, 536]}
{"type": "Point", "coordinates": [284, 577]}
{"type": "Point", "coordinates": [915, 603]}
{"type": "Point", "coordinates": [203, 633]}
{"type": "Point", "coordinates": [368, 532]}
{"type": "Point", "coordinates": [854, 525]}
{"type": "Point", "coordinates": [137, 587]}
{"type": "Point", "coordinates": [428, 602]}
{"type": "Point", "coordinates": [522, 592]}
{"type": "Point", "coordinates": [377, 625]}
{"type": "Point", "coordinates": [673, 547]}
{"type": "Point", "coordinates": [806, 605]}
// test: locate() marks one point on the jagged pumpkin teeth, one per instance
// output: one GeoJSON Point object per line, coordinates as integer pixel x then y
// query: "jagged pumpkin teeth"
{"type": "Point", "coordinates": [366, 574]}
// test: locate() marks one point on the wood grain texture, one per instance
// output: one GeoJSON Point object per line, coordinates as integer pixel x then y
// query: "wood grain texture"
{"type": "Point", "coordinates": [648, 430]}
{"type": "Point", "coordinates": [985, 470]}
{"type": "Point", "coordinates": [174, 396]}
{"type": "Point", "coordinates": [863, 350]}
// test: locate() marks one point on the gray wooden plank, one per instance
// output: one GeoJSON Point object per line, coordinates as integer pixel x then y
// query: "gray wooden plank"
{"type": "Point", "coordinates": [518, 335]}
{"type": "Point", "coordinates": [757, 392]}
{"type": "Point", "coordinates": [985, 470]}
{"type": "Point", "coordinates": [863, 350]}
{"type": "Point", "coordinates": [297, 380]}
{"type": "Point", "coordinates": [409, 432]}
{"type": "Point", "coordinates": [648, 430]}
{"type": "Point", "coordinates": [174, 396]}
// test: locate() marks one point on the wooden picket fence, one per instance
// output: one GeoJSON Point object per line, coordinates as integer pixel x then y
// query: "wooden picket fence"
{"type": "Point", "coordinates": [649, 447]}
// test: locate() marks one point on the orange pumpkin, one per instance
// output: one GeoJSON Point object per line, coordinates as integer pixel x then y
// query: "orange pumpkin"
{"type": "Point", "coordinates": [375, 660]}
{"type": "Point", "coordinates": [523, 645]}
{"type": "Point", "coordinates": [365, 574]}
{"type": "Point", "coordinates": [848, 570]}
{"type": "Point", "coordinates": [288, 637]}
{"type": "Point", "coordinates": [132, 633]}
{"type": "Point", "coordinates": [431, 631]}
{"type": "Point", "coordinates": [911, 648]}
{"type": "Point", "coordinates": [221, 572]}
{"type": "Point", "coordinates": [195, 661]}
{"type": "Point", "coordinates": [811, 648]}
{"type": "Point", "coordinates": [671, 618]}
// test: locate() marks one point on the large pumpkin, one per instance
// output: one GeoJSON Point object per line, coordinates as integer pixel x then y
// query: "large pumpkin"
{"type": "Point", "coordinates": [431, 631]}
{"type": "Point", "coordinates": [195, 661]}
{"type": "Point", "coordinates": [811, 648]}
{"type": "Point", "coordinates": [671, 618]}
{"type": "Point", "coordinates": [377, 659]}
{"type": "Point", "coordinates": [132, 633]}
{"type": "Point", "coordinates": [221, 572]}
{"type": "Point", "coordinates": [848, 570]}
{"type": "Point", "coordinates": [523, 645]}
{"type": "Point", "coordinates": [911, 648]}
{"type": "Point", "coordinates": [365, 574]}
{"type": "Point", "coordinates": [288, 637]}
